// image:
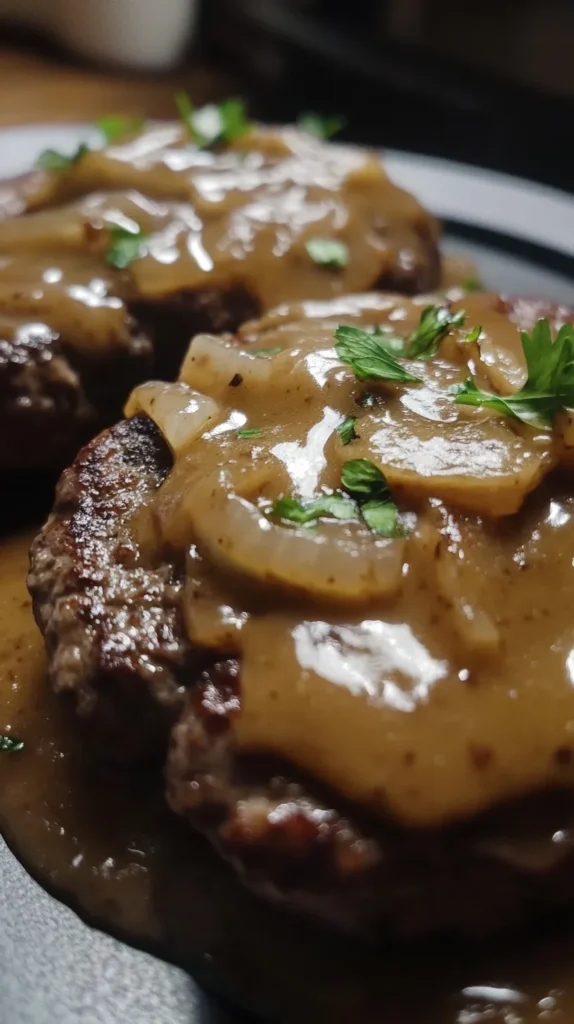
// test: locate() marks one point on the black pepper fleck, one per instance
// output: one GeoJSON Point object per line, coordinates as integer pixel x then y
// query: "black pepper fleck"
{"type": "Point", "coordinates": [480, 756]}
{"type": "Point", "coordinates": [236, 380]}
{"type": "Point", "coordinates": [564, 756]}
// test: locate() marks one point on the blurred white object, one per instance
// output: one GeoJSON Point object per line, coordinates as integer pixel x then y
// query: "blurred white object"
{"type": "Point", "coordinates": [140, 34]}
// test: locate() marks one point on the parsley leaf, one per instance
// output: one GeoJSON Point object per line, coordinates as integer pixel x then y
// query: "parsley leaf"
{"type": "Point", "coordinates": [328, 252]}
{"type": "Point", "coordinates": [368, 358]}
{"type": "Point", "coordinates": [382, 517]}
{"type": "Point", "coordinates": [364, 480]}
{"type": "Point", "coordinates": [267, 353]}
{"type": "Point", "coordinates": [321, 127]}
{"type": "Point", "coordinates": [328, 506]}
{"type": "Point", "coordinates": [346, 430]}
{"type": "Point", "coordinates": [125, 246]}
{"type": "Point", "coordinates": [472, 284]}
{"type": "Point", "coordinates": [435, 323]}
{"type": "Point", "coordinates": [114, 127]}
{"type": "Point", "coordinates": [368, 485]}
{"type": "Point", "coordinates": [10, 744]}
{"type": "Point", "coordinates": [249, 432]}
{"type": "Point", "coordinates": [370, 498]}
{"type": "Point", "coordinates": [216, 122]}
{"type": "Point", "coordinates": [549, 384]}
{"type": "Point", "coordinates": [51, 160]}
{"type": "Point", "coordinates": [474, 335]}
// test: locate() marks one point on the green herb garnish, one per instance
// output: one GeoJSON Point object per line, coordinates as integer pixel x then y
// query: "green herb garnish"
{"type": "Point", "coordinates": [368, 485]}
{"type": "Point", "coordinates": [114, 127]}
{"type": "Point", "coordinates": [11, 744]}
{"type": "Point", "coordinates": [472, 284]}
{"type": "Point", "coordinates": [346, 430]}
{"type": "Point", "coordinates": [549, 384]}
{"type": "Point", "coordinates": [267, 353]}
{"type": "Point", "coordinates": [52, 160]}
{"type": "Point", "coordinates": [321, 127]}
{"type": "Point", "coordinates": [382, 517]}
{"type": "Point", "coordinates": [125, 246]}
{"type": "Point", "coordinates": [368, 358]}
{"type": "Point", "coordinates": [216, 122]}
{"type": "Point", "coordinates": [368, 497]}
{"type": "Point", "coordinates": [328, 252]}
{"type": "Point", "coordinates": [365, 481]}
{"type": "Point", "coordinates": [249, 432]}
{"type": "Point", "coordinates": [435, 323]}
{"type": "Point", "coordinates": [328, 506]}
{"type": "Point", "coordinates": [473, 335]}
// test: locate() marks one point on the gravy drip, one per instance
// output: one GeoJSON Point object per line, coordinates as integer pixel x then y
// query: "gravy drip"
{"type": "Point", "coordinates": [106, 846]}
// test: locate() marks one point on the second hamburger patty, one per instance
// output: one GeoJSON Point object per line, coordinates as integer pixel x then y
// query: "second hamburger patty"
{"type": "Point", "coordinates": [112, 617]}
{"type": "Point", "coordinates": [156, 240]}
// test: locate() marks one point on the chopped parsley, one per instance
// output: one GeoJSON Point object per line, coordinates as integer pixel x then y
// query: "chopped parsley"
{"type": "Point", "coordinates": [249, 432]}
{"type": "Point", "coordinates": [214, 123]}
{"type": "Point", "coordinates": [346, 430]}
{"type": "Point", "coordinates": [10, 744]}
{"type": "Point", "coordinates": [328, 252]}
{"type": "Point", "coordinates": [321, 127]}
{"type": "Point", "coordinates": [52, 160]}
{"type": "Point", "coordinates": [328, 506]}
{"type": "Point", "coordinates": [368, 357]}
{"type": "Point", "coordinates": [114, 127]}
{"type": "Point", "coordinates": [472, 284]}
{"type": "Point", "coordinates": [267, 353]}
{"type": "Point", "coordinates": [368, 497]}
{"type": "Point", "coordinates": [368, 485]}
{"type": "Point", "coordinates": [125, 246]}
{"type": "Point", "coordinates": [549, 384]}
{"type": "Point", "coordinates": [365, 481]}
{"type": "Point", "coordinates": [435, 323]}
{"type": "Point", "coordinates": [473, 335]}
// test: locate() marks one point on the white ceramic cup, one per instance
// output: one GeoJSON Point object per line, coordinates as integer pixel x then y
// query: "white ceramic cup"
{"type": "Point", "coordinates": [140, 34]}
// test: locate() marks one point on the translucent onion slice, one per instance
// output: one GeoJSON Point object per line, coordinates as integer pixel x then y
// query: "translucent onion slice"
{"type": "Point", "coordinates": [181, 414]}
{"type": "Point", "coordinates": [564, 437]}
{"type": "Point", "coordinates": [211, 364]}
{"type": "Point", "coordinates": [331, 563]}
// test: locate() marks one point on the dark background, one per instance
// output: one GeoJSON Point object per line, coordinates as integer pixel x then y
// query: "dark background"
{"type": "Point", "coordinates": [491, 84]}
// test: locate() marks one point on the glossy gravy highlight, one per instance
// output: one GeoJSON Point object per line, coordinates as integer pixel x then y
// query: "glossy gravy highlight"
{"type": "Point", "coordinates": [238, 218]}
{"type": "Point", "coordinates": [428, 675]}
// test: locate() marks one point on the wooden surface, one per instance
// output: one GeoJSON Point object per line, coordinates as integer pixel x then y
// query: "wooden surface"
{"type": "Point", "coordinates": [38, 87]}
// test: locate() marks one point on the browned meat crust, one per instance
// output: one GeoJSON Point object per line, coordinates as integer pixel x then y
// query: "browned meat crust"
{"type": "Point", "coordinates": [116, 642]}
{"type": "Point", "coordinates": [52, 399]}
{"type": "Point", "coordinates": [110, 619]}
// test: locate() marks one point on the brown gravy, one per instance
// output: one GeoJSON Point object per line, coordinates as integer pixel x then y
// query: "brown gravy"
{"type": "Point", "coordinates": [108, 847]}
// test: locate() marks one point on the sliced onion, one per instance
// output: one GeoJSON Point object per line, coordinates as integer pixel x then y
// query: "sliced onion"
{"type": "Point", "coordinates": [211, 364]}
{"type": "Point", "coordinates": [329, 563]}
{"type": "Point", "coordinates": [564, 436]}
{"type": "Point", "coordinates": [180, 413]}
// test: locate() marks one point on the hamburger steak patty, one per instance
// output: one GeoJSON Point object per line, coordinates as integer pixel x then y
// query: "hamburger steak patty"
{"type": "Point", "coordinates": [115, 640]}
{"type": "Point", "coordinates": [229, 229]}
{"type": "Point", "coordinates": [53, 398]}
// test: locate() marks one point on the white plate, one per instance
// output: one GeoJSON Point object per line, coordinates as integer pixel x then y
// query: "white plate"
{"type": "Point", "coordinates": [53, 967]}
